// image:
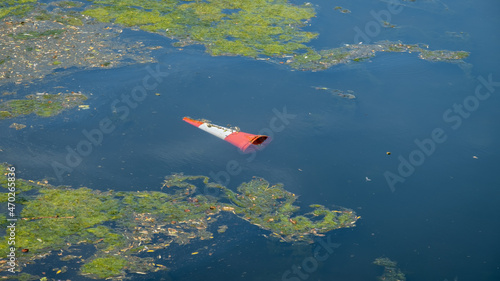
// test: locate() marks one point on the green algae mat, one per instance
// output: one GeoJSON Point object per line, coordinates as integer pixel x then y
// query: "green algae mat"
{"type": "Point", "coordinates": [41, 37]}
{"type": "Point", "coordinates": [122, 225]}
{"type": "Point", "coordinates": [263, 28]}
{"type": "Point", "coordinates": [41, 104]}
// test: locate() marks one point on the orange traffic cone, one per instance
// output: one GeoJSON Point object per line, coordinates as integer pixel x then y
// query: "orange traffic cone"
{"type": "Point", "coordinates": [244, 141]}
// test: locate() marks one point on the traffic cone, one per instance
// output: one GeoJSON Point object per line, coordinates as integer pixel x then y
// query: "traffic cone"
{"type": "Point", "coordinates": [244, 141]}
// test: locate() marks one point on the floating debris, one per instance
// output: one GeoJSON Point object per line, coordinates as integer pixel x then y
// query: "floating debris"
{"type": "Point", "coordinates": [244, 141]}
{"type": "Point", "coordinates": [42, 41]}
{"type": "Point", "coordinates": [388, 24]}
{"type": "Point", "coordinates": [70, 257]}
{"type": "Point", "coordinates": [60, 270]}
{"type": "Point", "coordinates": [41, 104]}
{"type": "Point", "coordinates": [147, 221]}
{"type": "Point", "coordinates": [17, 126]}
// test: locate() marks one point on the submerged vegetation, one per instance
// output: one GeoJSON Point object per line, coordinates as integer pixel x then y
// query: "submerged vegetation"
{"type": "Point", "coordinates": [349, 94]}
{"type": "Point", "coordinates": [41, 104]}
{"type": "Point", "coordinates": [391, 270]}
{"type": "Point", "coordinates": [122, 225]}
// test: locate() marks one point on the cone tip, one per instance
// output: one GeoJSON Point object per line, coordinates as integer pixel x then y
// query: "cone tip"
{"type": "Point", "coordinates": [192, 121]}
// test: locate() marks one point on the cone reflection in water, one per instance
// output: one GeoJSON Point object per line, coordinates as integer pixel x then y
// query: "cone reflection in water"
{"type": "Point", "coordinates": [244, 141]}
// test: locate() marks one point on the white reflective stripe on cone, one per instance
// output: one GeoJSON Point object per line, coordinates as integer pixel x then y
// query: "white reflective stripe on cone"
{"type": "Point", "coordinates": [218, 131]}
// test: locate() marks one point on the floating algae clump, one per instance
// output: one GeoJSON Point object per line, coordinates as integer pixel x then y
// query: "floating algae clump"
{"type": "Point", "coordinates": [342, 10]}
{"type": "Point", "coordinates": [105, 267]}
{"type": "Point", "coordinates": [391, 271]}
{"type": "Point", "coordinates": [17, 126]}
{"type": "Point", "coordinates": [123, 225]}
{"type": "Point", "coordinates": [248, 28]}
{"type": "Point", "coordinates": [272, 208]}
{"type": "Point", "coordinates": [320, 60]}
{"type": "Point", "coordinates": [71, 211]}
{"type": "Point", "coordinates": [239, 27]}
{"type": "Point", "coordinates": [41, 104]}
{"type": "Point", "coordinates": [443, 55]}
{"type": "Point", "coordinates": [15, 7]}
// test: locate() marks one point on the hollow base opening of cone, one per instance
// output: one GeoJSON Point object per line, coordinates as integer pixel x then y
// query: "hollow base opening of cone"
{"type": "Point", "coordinates": [259, 140]}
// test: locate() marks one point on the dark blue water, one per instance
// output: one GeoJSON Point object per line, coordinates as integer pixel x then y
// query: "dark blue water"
{"type": "Point", "coordinates": [441, 223]}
